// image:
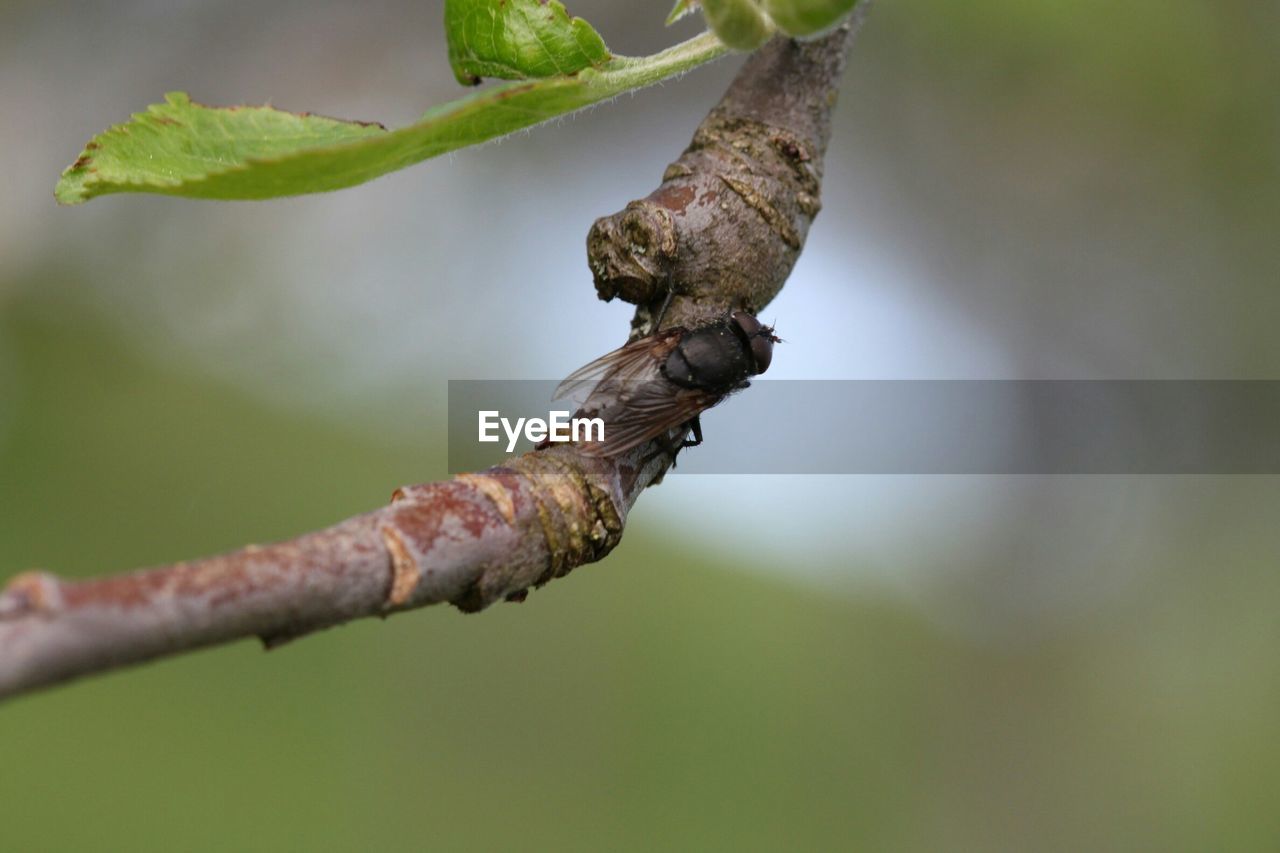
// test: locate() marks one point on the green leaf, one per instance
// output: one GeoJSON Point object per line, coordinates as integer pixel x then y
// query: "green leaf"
{"type": "Point", "coordinates": [187, 149]}
{"type": "Point", "coordinates": [807, 17]}
{"type": "Point", "coordinates": [518, 40]}
{"type": "Point", "coordinates": [739, 23]}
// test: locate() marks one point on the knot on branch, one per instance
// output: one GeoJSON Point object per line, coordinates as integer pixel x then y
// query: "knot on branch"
{"type": "Point", "coordinates": [578, 518]}
{"type": "Point", "coordinates": [517, 526]}
{"type": "Point", "coordinates": [730, 218]}
{"type": "Point", "coordinates": [630, 253]}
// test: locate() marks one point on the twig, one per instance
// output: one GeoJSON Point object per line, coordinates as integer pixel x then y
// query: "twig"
{"type": "Point", "coordinates": [722, 232]}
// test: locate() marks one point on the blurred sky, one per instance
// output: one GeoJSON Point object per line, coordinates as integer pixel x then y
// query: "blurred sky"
{"type": "Point", "coordinates": [1014, 190]}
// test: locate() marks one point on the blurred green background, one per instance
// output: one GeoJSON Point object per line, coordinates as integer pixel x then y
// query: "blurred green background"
{"type": "Point", "coordinates": [1020, 190]}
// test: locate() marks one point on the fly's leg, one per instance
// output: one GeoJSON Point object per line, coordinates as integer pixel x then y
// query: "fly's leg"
{"type": "Point", "coordinates": [695, 426]}
{"type": "Point", "coordinates": [670, 448]}
{"type": "Point", "coordinates": [662, 312]}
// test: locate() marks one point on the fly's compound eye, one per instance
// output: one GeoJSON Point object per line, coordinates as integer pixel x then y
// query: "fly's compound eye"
{"type": "Point", "coordinates": [762, 351]}
{"type": "Point", "coordinates": [747, 323]}
{"type": "Point", "coordinates": [758, 336]}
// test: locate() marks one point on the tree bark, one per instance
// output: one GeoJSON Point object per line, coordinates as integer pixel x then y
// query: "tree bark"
{"type": "Point", "coordinates": [722, 232]}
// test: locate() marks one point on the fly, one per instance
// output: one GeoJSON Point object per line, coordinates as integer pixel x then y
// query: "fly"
{"type": "Point", "coordinates": [655, 384]}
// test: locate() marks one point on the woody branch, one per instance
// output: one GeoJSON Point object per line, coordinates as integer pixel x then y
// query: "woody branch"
{"type": "Point", "coordinates": [722, 232]}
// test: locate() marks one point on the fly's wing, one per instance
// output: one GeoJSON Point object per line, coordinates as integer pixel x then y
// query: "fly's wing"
{"type": "Point", "coordinates": [643, 413]}
{"type": "Point", "coordinates": [627, 391]}
{"type": "Point", "coordinates": [630, 365]}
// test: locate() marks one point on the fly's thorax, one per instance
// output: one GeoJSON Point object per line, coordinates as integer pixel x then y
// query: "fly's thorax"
{"type": "Point", "coordinates": [712, 358]}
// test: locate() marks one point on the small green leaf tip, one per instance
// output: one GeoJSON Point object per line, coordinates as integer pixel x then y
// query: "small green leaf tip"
{"type": "Point", "coordinates": [181, 147]}
{"type": "Point", "coordinates": [682, 9]}
{"type": "Point", "coordinates": [518, 40]}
